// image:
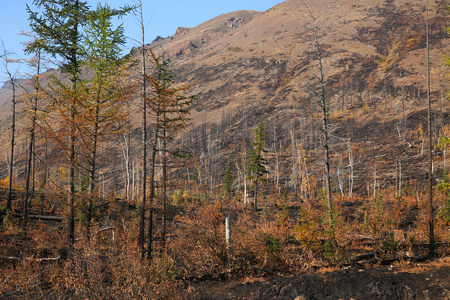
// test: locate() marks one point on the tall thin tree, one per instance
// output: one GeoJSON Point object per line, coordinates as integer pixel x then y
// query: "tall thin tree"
{"type": "Point", "coordinates": [36, 63]}
{"type": "Point", "coordinates": [144, 79]}
{"type": "Point", "coordinates": [11, 78]}
{"type": "Point", "coordinates": [430, 145]}
{"type": "Point", "coordinates": [102, 110]}
{"type": "Point", "coordinates": [169, 110]}
{"type": "Point", "coordinates": [324, 108]}
{"type": "Point", "coordinates": [257, 165]}
{"type": "Point", "coordinates": [58, 28]}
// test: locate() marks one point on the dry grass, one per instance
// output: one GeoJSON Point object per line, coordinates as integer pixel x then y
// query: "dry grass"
{"type": "Point", "coordinates": [272, 241]}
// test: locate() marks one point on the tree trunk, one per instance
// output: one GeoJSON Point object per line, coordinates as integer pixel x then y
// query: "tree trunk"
{"type": "Point", "coordinates": [30, 168]}
{"type": "Point", "coordinates": [351, 177]}
{"type": "Point", "coordinates": [152, 194]}
{"type": "Point", "coordinates": [71, 196]}
{"type": "Point", "coordinates": [324, 128]}
{"type": "Point", "coordinates": [144, 138]}
{"type": "Point", "coordinates": [323, 104]}
{"type": "Point", "coordinates": [93, 170]}
{"type": "Point", "coordinates": [13, 133]}
{"type": "Point", "coordinates": [13, 129]}
{"type": "Point", "coordinates": [430, 148]}
{"type": "Point", "coordinates": [164, 166]}
{"type": "Point", "coordinates": [255, 201]}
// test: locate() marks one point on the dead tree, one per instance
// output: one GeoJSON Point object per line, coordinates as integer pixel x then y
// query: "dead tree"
{"type": "Point", "coordinates": [324, 108]}
{"type": "Point", "coordinates": [34, 104]}
{"type": "Point", "coordinates": [11, 79]}
{"type": "Point", "coordinates": [430, 146]}
{"type": "Point", "coordinates": [143, 74]}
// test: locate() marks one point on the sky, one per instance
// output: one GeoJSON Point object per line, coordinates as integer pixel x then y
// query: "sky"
{"type": "Point", "coordinates": [162, 17]}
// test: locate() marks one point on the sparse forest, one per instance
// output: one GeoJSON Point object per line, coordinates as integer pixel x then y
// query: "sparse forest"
{"type": "Point", "coordinates": [186, 169]}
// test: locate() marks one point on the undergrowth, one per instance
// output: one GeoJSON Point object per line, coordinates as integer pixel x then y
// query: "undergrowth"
{"type": "Point", "coordinates": [277, 240]}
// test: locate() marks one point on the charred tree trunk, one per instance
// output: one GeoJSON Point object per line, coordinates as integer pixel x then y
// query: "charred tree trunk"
{"type": "Point", "coordinates": [152, 193]}
{"type": "Point", "coordinates": [323, 106]}
{"type": "Point", "coordinates": [13, 141]}
{"type": "Point", "coordinates": [430, 147]}
{"type": "Point", "coordinates": [144, 139]}
{"type": "Point", "coordinates": [30, 168]}
{"type": "Point", "coordinates": [164, 166]}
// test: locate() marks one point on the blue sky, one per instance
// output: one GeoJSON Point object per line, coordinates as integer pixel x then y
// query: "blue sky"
{"type": "Point", "coordinates": [163, 16]}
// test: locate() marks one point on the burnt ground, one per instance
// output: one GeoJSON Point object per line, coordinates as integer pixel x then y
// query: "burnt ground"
{"type": "Point", "coordinates": [401, 281]}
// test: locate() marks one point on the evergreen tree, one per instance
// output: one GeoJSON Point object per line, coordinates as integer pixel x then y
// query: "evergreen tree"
{"type": "Point", "coordinates": [227, 181]}
{"type": "Point", "coordinates": [257, 165]}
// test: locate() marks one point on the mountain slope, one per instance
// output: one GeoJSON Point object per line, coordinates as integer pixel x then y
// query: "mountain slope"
{"type": "Point", "coordinates": [248, 65]}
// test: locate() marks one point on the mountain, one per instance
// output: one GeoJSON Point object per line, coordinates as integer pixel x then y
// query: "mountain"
{"type": "Point", "coordinates": [249, 65]}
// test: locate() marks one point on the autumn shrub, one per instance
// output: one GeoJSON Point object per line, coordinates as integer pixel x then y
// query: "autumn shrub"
{"type": "Point", "coordinates": [120, 274]}
{"type": "Point", "coordinates": [260, 244]}
{"type": "Point", "coordinates": [307, 230]}
{"type": "Point", "coordinates": [267, 246]}
{"type": "Point", "coordinates": [179, 197]}
{"type": "Point", "coordinates": [106, 268]}
{"type": "Point", "coordinates": [255, 249]}
{"type": "Point", "coordinates": [29, 280]}
{"type": "Point", "coordinates": [4, 183]}
{"type": "Point", "coordinates": [442, 202]}
{"type": "Point", "coordinates": [377, 219]}
{"type": "Point", "coordinates": [282, 219]}
{"type": "Point", "coordinates": [199, 248]}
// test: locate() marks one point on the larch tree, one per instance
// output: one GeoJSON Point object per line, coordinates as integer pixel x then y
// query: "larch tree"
{"type": "Point", "coordinates": [102, 109]}
{"type": "Point", "coordinates": [58, 27]}
{"type": "Point", "coordinates": [169, 107]}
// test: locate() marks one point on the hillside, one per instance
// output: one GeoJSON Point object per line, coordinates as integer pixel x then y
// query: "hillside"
{"type": "Point", "coordinates": [248, 65]}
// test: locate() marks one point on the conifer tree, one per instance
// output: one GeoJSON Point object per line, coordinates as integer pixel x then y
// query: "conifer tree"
{"type": "Point", "coordinates": [102, 109]}
{"type": "Point", "coordinates": [58, 28]}
{"type": "Point", "coordinates": [227, 181]}
{"type": "Point", "coordinates": [257, 165]}
{"type": "Point", "coordinates": [169, 107]}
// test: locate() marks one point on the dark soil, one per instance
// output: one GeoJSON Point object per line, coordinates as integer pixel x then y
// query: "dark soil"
{"type": "Point", "coordinates": [421, 281]}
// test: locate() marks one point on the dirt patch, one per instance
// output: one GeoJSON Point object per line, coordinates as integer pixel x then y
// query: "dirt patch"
{"type": "Point", "coordinates": [421, 281]}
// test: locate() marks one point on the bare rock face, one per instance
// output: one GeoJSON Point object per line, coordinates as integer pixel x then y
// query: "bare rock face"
{"type": "Point", "coordinates": [181, 31]}
{"type": "Point", "coordinates": [234, 22]}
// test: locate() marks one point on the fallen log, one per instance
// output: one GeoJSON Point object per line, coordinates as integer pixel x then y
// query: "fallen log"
{"type": "Point", "coordinates": [44, 218]}
{"type": "Point", "coordinates": [30, 258]}
{"type": "Point", "coordinates": [368, 256]}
